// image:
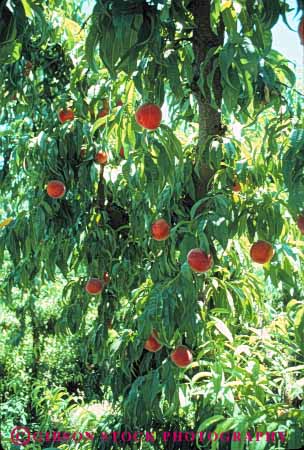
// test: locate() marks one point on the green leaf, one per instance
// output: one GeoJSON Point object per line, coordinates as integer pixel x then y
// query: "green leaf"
{"type": "Point", "coordinates": [225, 60]}
{"type": "Point", "coordinates": [222, 327]}
{"type": "Point", "coordinates": [27, 8]}
{"type": "Point", "coordinates": [299, 326]}
{"type": "Point", "coordinates": [242, 428]}
{"type": "Point", "coordinates": [91, 43]}
{"type": "Point", "coordinates": [102, 121]}
{"type": "Point", "coordinates": [186, 272]}
{"type": "Point", "coordinates": [210, 421]}
{"type": "Point", "coordinates": [173, 74]}
{"type": "Point", "coordinates": [189, 241]}
{"type": "Point", "coordinates": [196, 206]}
{"type": "Point", "coordinates": [202, 80]}
{"type": "Point", "coordinates": [229, 21]}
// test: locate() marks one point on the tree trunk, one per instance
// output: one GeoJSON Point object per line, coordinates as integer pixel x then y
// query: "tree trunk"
{"type": "Point", "coordinates": [209, 118]}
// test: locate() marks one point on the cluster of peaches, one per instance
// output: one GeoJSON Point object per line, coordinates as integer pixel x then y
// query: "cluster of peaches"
{"type": "Point", "coordinates": [181, 356]}
{"type": "Point", "coordinates": [261, 252]}
{"type": "Point", "coordinates": [149, 116]}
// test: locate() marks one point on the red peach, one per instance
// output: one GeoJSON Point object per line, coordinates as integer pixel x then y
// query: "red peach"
{"type": "Point", "coordinates": [55, 189]}
{"type": "Point", "coordinates": [66, 115]}
{"type": "Point", "coordinates": [181, 356]}
{"type": "Point", "coordinates": [152, 344]}
{"type": "Point", "coordinates": [261, 252]}
{"type": "Point", "coordinates": [236, 187]}
{"type": "Point", "coordinates": [149, 116]}
{"type": "Point", "coordinates": [199, 261]}
{"type": "Point", "coordinates": [94, 286]}
{"type": "Point", "coordinates": [101, 158]}
{"type": "Point", "coordinates": [160, 230]}
{"type": "Point", "coordinates": [300, 223]}
{"type": "Point", "coordinates": [104, 112]}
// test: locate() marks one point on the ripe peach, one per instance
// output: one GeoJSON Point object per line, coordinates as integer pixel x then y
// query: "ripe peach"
{"type": "Point", "coordinates": [160, 230]}
{"type": "Point", "coordinates": [119, 103]}
{"type": "Point", "coordinates": [55, 189]}
{"type": "Point", "coordinates": [104, 112]}
{"type": "Point", "coordinates": [101, 157]}
{"type": "Point", "coordinates": [149, 116]}
{"type": "Point", "coordinates": [300, 223]}
{"type": "Point", "coordinates": [181, 356]}
{"type": "Point", "coordinates": [122, 152]}
{"type": "Point", "coordinates": [199, 261]}
{"type": "Point", "coordinates": [66, 115]}
{"type": "Point", "coordinates": [152, 344]}
{"type": "Point", "coordinates": [261, 252]}
{"type": "Point", "coordinates": [236, 187]}
{"type": "Point", "coordinates": [94, 286]}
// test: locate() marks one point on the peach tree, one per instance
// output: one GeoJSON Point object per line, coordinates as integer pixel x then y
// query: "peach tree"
{"type": "Point", "coordinates": [177, 237]}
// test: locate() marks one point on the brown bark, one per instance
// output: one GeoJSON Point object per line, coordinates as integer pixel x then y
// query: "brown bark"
{"type": "Point", "coordinates": [209, 118]}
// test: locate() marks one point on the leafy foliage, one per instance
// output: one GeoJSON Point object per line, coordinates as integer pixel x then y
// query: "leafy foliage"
{"type": "Point", "coordinates": [243, 324]}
